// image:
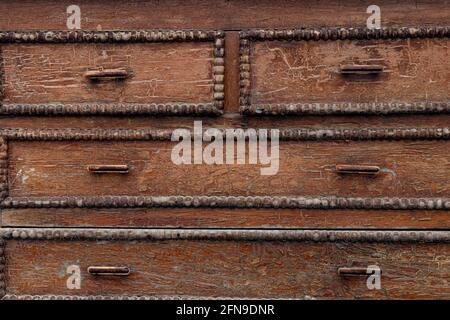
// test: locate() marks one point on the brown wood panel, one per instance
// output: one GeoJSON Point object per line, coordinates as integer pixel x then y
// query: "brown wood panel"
{"type": "Point", "coordinates": [47, 73]}
{"type": "Point", "coordinates": [222, 14]}
{"type": "Point", "coordinates": [415, 70]}
{"type": "Point", "coordinates": [54, 168]}
{"type": "Point", "coordinates": [226, 218]}
{"type": "Point", "coordinates": [231, 268]}
{"type": "Point", "coordinates": [230, 121]}
{"type": "Point", "coordinates": [232, 88]}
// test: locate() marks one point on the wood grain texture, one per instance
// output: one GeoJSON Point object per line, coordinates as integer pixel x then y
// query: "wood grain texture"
{"type": "Point", "coordinates": [235, 269]}
{"type": "Point", "coordinates": [408, 169]}
{"type": "Point", "coordinates": [224, 14]}
{"type": "Point", "coordinates": [415, 70]}
{"type": "Point", "coordinates": [55, 73]}
{"type": "Point", "coordinates": [226, 218]}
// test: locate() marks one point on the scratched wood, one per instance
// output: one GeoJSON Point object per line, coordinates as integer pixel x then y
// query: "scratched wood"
{"type": "Point", "coordinates": [224, 14]}
{"type": "Point", "coordinates": [230, 120]}
{"type": "Point", "coordinates": [232, 269]}
{"type": "Point", "coordinates": [53, 168]}
{"type": "Point", "coordinates": [47, 73]}
{"type": "Point", "coordinates": [415, 70]}
{"type": "Point", "coordinates": [227, 218]}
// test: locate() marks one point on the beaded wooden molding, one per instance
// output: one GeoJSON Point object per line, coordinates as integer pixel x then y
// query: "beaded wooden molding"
{"type": "Point", "coordinates": [223, 235]}
{"type": "Point", "coordinates": [215, 107]}
{"type": "Point", "coordinates": [248, 202]}
{"type": "Point", "coordinates": [308, 34]}
{"type": "Point", "coordinates": [287, 134]}
{"type": "Point", "coordinates": [302, 134]}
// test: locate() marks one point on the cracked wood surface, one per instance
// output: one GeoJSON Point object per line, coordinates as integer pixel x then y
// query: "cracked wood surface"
{"type": "Point", "coordinates": [56, 168]}
{"type": "Point", "coordinates": [235, 269]}
{"type": "Point", "coordinates": [47, 73]}
{"type": "Point", "coordinates": [415, 70]}
{"type": "Point", "coordinates": [224, 14]}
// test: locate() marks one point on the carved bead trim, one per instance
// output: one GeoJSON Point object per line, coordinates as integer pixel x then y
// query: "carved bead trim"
{"type": "Point", "coordinates": [346, 108]}
{"type": "Point", "coordinates": [218, 73]}
{"type": "Point", "coordinates": [293, 134]}
{"type": "Point", "coordinates": [346, 33]}
{"type": "Point", "coordinates": [128, 36]}
{"type": "Point", "coordinates": [119, 109]}
{"type": "Point", "coordinates": [245, 74]}
{"type": "Point", "coordinates": [282, 202]}
{"type": "Point", "coordinates": [223, 235]}
{"type": "Point", "coordinates": [304, 34]}
{"type": "Point", "coordinates": [3, 168]}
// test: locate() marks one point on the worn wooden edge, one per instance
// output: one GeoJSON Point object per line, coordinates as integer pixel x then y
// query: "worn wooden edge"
{"type": "Point", "coordinates": [112, 109]}
{"type": "Point", "coordinates": [134, 297]}
{"type": "Point", "coordinates": [224, 235]}
{"type": "Point", "coordinates": [375, 108]}
{"type": "Point", "coordinates": [306, 34]}
{"type": "Point", "coordinates": [288, 134]}
{"type": "Point", "coordinates": [275, 202]}
{"type": "Point", "coordinates": [109, 36]}
{"type": "Point", "coordinates": [2, 267]}
{"type": "Point", "coordinates": [342, 33]}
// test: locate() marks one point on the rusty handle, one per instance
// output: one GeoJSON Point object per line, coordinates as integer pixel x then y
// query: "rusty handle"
{"type": "Point", "coordinates": [115, 168]}
{"type": "Point", "coordinates": [357, 169]}
{"type": "Point", "coordinates": [107, 74]}
{"type": "Point", "coordinates": [361, 69]}
{"type": "Point", "coordinates": [108, 271]}
{"type": "Point", "coordinates": [354, 271]}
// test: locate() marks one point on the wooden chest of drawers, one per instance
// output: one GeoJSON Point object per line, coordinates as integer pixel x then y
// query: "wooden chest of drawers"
{"type": "Point", "coordinates": [93, 205]}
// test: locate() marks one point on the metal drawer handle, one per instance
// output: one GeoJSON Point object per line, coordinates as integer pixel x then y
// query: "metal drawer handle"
{"type": "Point", "coordinates": [108, 271]}
{"type": "Point", "coordinates": [357, 169]}
{"type": "Point", "coordinates": [107, 74]}
{"type": "Point", "coordinates": [361, 69]}
{"type": "Point", "coordinates": [355, 271]}
{"type": "Point", "coordinates": [115, 168]}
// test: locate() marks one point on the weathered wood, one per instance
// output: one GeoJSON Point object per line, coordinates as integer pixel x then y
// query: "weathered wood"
{"type": "Point", "coordinates": [305, 77]}
{"type": "Point", "coordinates": [232, 15]}
{"type": "Point", "coordinates": [407, 169]}
{"type": "Point", "coordinates": [235, 269]}
{"type": "Point", "coordinates": [53, 73]}
{"type": "Point", "coordinates": [227, 218]}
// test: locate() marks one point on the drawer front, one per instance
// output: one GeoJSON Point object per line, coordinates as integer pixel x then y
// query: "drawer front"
{"type": "Point", "coordinates": [282, 75]}
{"type": "Point", "coordinates": [166, 74]}
{"type": "Point", "coordinates": [233, 268]}
{"type": "Point", "coordinates": [306, 168]}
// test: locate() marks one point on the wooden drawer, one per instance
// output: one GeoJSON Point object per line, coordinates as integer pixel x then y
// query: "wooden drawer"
{"type": "Point", "coordinates": [113, 73]}
{"type": "Point", "coordinates": [383, 168]}
{"type": "Point", "coordinates": [224, 263]}
{"type": "Point", "coordinates": [332, 71]}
